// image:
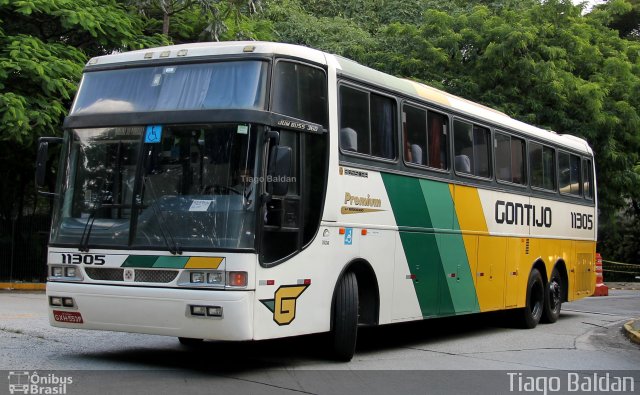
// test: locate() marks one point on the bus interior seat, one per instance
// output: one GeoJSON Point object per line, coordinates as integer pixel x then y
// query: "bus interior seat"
{"type": "Point", "coordinates": [348, 139]}
{"type": "Point", "coordinates": [416, 154]}
{"type": "Point", "coordinates": [504, 173]}
{"type": "Point", "coordinates": [463, 164]}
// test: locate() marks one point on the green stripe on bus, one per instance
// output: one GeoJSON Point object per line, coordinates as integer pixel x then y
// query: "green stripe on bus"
{"type": "Point", "coordinates": [453, 254]}
{"type": "Point", "coordinates": [443, 284]}
{"type": "Point", "coordinates": [172, 262]}
{"type": "Point", "coordinates": [140, 261]}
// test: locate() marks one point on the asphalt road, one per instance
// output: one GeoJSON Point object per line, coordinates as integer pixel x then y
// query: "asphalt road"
{"type": "Point", "coordinates": [587, 336]}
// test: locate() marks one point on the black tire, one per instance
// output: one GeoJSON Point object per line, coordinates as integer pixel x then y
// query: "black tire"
{"type": "Point", "coordinates": [188, 341]}
{"type": "Point", "coordinates": [553, 298]}
{"type": "Point", "coordinates": [529, 316]}
{"type": "Point", "coordinates": [345, 318]}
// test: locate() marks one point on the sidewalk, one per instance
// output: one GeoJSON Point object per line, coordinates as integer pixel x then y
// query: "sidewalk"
{"type": "Point", "coordinates": [635, 286]}
{"type": "Point", "coordinates": [23, 286]}
{"type": "Point", "coordinates": [632, 329]}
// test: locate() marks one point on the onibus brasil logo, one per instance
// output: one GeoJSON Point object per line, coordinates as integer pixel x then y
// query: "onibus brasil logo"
{"type": "Point", "coordinates": [33, 383]}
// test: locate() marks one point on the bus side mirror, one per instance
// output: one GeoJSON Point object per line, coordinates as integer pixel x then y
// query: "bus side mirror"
{"type": "Point", "coordinates": [279, 170]}
{"type": "Point", "coordinates": [43, 157]}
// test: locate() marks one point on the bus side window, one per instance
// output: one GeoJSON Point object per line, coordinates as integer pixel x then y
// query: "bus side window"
{"type": "Point", "coordinates": [587, 178]}
{"type": "Point", "coordinates": [424, 137]}
{"type": "Point", "coordinates": [414, 134]}
{"type": "Point", "coordinates": [569, 166]}
{"type": "Point", "coordinates": [437, 137]}
{"type": "Point", "coordinates": [472, 150]}
{"type": "Point", "coordinates": [354, 120]}
{"type": "Point", "coordinates": [542, 165]}
{"type": "Point", "coordinates": [367, 123]}
{"type": "Point", "coordinates": [509, 158]}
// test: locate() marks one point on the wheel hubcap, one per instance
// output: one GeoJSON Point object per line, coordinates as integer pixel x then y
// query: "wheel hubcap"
{"type": "Point", "coordinates": [536, 300]}
{"type": "Point", "coordinates": [554, 293]}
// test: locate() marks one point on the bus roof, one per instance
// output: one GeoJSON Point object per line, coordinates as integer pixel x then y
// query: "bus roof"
{"type": "Point", "coordinates": [347, 68]}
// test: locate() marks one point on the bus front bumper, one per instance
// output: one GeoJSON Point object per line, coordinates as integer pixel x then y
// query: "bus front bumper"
{"type": "Point", "coordinates": [157, 311]}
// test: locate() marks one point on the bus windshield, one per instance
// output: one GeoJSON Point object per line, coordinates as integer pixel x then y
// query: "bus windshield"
{"type": "Point", "coordinates": [221, 85]}
{"type": "Point", "coordinates": [191, 188]}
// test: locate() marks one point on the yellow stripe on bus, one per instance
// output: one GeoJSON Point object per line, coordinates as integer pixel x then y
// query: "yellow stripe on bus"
{"type": "Point", "coordinates": [199, 262]}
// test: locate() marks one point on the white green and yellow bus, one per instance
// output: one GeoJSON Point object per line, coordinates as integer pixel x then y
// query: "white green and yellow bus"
{"type": "Point", "coordinates": [251, 190]}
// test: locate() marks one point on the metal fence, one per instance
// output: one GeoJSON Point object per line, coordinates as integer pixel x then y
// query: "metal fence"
{"type": "Point", "coordinates": [23, 248]}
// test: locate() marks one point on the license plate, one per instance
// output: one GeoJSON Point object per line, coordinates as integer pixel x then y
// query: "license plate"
{"type": "Point", "coordinates": [71, 317]}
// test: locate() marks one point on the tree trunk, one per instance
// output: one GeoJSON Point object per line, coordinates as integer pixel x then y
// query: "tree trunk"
{"type": "Point", "coordinates": [165, 24]}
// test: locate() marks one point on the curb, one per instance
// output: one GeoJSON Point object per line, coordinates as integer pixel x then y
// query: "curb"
{"type": "Point", "coordinates": [631, 331]}
{"type": "Point", "coordinates": [23, 286]}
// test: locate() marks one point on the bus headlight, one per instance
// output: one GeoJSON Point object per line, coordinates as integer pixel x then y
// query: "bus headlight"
{"type": "Point", "coordinates": [197, 277]}
{"type": "Point", "coordinates": [215, 278]}
{"type": "Point", "coordinates": [57, 271]}
{"type": "Point", "coordinates": [70, 272]}
{"type": "Point", "coordinates": [205, 278]}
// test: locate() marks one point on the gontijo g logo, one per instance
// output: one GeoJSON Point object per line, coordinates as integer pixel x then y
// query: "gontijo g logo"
{"type": "Point", "coordinates": [283, 305]}
{"type": "Point", "coordinates": [49, 384]}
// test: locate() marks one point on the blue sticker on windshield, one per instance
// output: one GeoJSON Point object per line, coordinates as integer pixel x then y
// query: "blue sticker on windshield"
{"type": "Point", "coordinates": [154, 134]}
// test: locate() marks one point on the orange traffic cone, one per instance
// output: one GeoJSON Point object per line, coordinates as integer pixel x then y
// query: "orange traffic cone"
{"type": "Point", "coordinates": [601, 288]}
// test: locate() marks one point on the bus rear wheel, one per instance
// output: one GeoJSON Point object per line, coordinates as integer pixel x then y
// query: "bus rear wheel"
{"type": "Point", "coordinates": [553, 298]}
{"type": "Point", "coordinates": [530, 315]}
{"type": "Point", "coordinates": [345, 318]}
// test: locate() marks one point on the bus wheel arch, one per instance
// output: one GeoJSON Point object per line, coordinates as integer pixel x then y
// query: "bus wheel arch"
{"type": "Point", "coordinates": [355, 302]}
{"type": "Point", "coordinates": [368, 292]}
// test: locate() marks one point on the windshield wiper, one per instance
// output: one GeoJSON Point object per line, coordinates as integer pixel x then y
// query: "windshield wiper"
{"type": "Point", "coordinates": [84, 244]}
{"type": "Point", "coordinates": [173, 247]}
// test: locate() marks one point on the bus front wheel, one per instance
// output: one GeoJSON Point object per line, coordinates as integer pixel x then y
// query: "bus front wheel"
{"type": "Point", "coordinates": [530, 315]}
{"type": "Point", "coordinates": [345, 318]}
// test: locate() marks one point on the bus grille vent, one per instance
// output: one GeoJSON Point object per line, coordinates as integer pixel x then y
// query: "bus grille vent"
{"type": "Point", "coordinates": [155, 276]}
{"type": "Point", "coordinates": [526, 247]}
{"type": "Point", "coordinates": [141, 276]}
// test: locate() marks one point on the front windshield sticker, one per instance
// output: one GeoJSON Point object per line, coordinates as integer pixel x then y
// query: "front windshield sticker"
{"type": "Point", "coordinates": [200, 205]}
{"type": "Point", "coordinates": [243, 129]}
{"type": "Point", "coordinates": [153, 134]}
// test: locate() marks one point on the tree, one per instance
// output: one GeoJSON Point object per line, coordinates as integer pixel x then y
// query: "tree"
{"type": "Point", "coordinates": [210, 20]}
{"type": "Point", "coordinates": [293, 23]}
{"type": "Point", "coordinates": [43, 47]}
{"type": "Point", "coordinates": [623, 16]}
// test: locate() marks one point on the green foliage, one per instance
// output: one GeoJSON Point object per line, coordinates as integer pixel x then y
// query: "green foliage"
{"type": "Point", "coordinates": [43, 47]}
{"type": "Point", "coordinates": [204, 20]}
{"type": "Point", "coordinates": [335, 34]}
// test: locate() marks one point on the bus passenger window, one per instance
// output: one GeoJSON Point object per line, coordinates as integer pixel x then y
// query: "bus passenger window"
{"type": "Point", "coordinates": [471, 144]}
{"type": "Point", "coordinates": [424, 137]}
{"type": "Point", "coordinates": [569, 173]}
{"type": "Point", "coordinates": [367, 123]}
{"type": "Point", "coordinates": [354, 120]}
{"type": "Point", "coordinates": [587, 178]}
{"type": "Point", "coordinates": [437, 135]}
{"type": "Point", "coordinates": [383, 135]}
{"type": "Point", "coordinates": [509, 159]}
{"type": "Point", "coordinates": [542, 164]}
{"type": "Point", "coordinates": [414, 134]}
